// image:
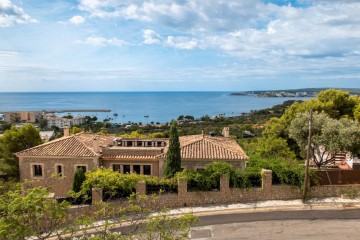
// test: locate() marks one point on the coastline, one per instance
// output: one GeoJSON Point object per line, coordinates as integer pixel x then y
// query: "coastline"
{"type": "Point", "coordinates": [129, 107]}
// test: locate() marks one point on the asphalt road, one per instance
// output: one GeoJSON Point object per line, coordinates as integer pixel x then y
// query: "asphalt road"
{"type": "Point", "coordinates": [298, 225]}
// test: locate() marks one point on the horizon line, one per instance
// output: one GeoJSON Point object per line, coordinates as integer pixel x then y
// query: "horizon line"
{"type": "Point", "coordinates": [174, 91]}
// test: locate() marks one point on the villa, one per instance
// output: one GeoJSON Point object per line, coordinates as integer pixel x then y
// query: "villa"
{"type": "Point", "coordinates": [53, 164]}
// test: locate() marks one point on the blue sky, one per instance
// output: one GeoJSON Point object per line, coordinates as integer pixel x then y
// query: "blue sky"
{"type": "Point", "coordinates": [178, 45]}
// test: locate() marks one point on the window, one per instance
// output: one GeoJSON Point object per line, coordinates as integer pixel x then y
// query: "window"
{"type": "Point", "coordinates": [147, 169]}
{"type": "Point", "coordinates": [137, 169]}
{"type": "Point", "coordinates": [37, 171]}
{"type": "Point", "coordinates": [59, 170]}
{"type": "Point", "coordinates": [127, 169]}
{"type": "Point", "coordinates": [139, 144]}
{"type": "Point", "coordinates": [81, 166]}
{"type": "Point", "coordinates": [116, 167]}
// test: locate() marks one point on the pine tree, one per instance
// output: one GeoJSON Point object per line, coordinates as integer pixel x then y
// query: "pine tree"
{"type": "Point", "coordinates": [15, 140]}
{"type": "Point", "coordinates": [79, 178]}
{"type": "Point", "coordinates": [173, 157]}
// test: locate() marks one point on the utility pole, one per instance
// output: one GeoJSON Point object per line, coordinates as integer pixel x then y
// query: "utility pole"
{"type": "Point", "coordinates": [306, 179]}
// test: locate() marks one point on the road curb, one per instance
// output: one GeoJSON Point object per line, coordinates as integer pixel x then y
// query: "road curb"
{"type": "Point", "coordinates": [307, 207]}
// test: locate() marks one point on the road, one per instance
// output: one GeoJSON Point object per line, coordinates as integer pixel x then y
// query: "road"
{"type": "Point", "coordinates": [305, 224]}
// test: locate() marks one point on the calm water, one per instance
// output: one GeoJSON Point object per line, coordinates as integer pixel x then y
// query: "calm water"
{"type": "Point", "coordinates": [133, 106]}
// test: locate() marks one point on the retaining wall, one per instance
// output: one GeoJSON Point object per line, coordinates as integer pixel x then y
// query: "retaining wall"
{"type": "Point", "coordinates": [228, 195]}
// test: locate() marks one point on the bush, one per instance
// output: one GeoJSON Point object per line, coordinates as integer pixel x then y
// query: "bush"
{"type": "Point", "coordinates": [209, 178]}
{"type": "Point", "coordinates": [245, 180]}
{"type": "Point", "coordinates": [118, 185]}
{"type": "Point", "coordinates": [283, 171]}
{"type": "Point", "coordinates": [165, 185]}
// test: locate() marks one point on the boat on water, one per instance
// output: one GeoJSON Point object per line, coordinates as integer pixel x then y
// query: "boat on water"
{"type": "Point", "coordinates": [146, 116]}
{"type": "Point", "coordinates": [115, 114]}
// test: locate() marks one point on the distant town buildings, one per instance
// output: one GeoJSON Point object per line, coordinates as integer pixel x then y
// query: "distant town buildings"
{"type": "Point", "coordinates": [23, 116]}
{"type": "Point", "coordinates": [285, 94]}
{"type": "Point", "coordinates": [60, 122]}
{"type": "Point", "coordinates": [47, 135]}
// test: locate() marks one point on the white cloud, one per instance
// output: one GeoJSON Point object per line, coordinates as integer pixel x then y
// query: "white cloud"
{"type": "Point", "coordinates": [197, 14]}
{"type": "Point", "coordinates": [100, 41]}
{"type": "Point", "coordinates": [77, 20]}
{"type": "Point", "coordinates": [250, 29]}
{"type": "Point", "coordinates": [4, 53]}
{"type": "Point", "coordinates": [181, 42]}
{"type": "Point", "coordinates": [10, 14]}
{"type": "Point", "coordinates": [151, 37]}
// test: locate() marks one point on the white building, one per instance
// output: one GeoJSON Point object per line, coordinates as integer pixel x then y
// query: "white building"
{"type": "Point", "coordinates": [62, 122]}
{"type": "Point", "coordinates": [46, 135]}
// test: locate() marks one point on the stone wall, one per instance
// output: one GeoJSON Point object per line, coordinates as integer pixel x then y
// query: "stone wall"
{"type": "Point", "coordinates": [228, 195]}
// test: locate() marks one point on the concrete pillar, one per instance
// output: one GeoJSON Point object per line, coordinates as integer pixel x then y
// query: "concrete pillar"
{"type": "Point", "coordinates": [224, 183]}
{"type": "Point", "coordinates": [140, 188]}
{"type": "Point", "coordinates": [182, 186]}
{"type": "Point", "coordinates": [266, 179]}
{"type": "Point", "coordinates": [96, 195]}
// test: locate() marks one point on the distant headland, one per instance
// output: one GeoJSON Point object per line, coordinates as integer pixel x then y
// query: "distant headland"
{"type": "Point", "coordinates": [303, 92]}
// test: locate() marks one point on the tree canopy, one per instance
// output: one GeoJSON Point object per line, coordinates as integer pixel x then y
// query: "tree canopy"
{"type": "Point", "coordinates": [337, 104]}
{"type": "Point", "coordinates": [15, 140]}
{"type": "Point", "coordinates": [329, 136]}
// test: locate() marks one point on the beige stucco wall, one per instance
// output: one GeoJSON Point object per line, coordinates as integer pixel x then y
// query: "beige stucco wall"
{"type": "Point", "coordinates": [59, 185]}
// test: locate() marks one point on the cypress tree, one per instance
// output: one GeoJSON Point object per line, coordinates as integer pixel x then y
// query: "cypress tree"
{"type": "Point", "coordinates": [173, 157]}
{"type": "Point", "coordinates": [79, 178]}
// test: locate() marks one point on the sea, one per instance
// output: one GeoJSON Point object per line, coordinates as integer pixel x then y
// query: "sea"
{"type": "Point", "coordinates": [144, 107]}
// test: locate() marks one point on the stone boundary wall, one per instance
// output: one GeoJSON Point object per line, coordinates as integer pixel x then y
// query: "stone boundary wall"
{"type": "Point", "coordinates": [228, 195]}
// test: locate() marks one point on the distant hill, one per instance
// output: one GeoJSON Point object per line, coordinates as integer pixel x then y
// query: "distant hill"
{"type": "Point", "coordinates": [302, 92]}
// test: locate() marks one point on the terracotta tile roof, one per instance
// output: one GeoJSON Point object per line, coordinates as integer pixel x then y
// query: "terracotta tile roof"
{"type": "Point", "coordinates": [75, 146]}
{"type": "Point", "coordinates": [87, 139]}
{"type": "Point", "coordinates": [192, 147]}
{"type": "Point", "coordinates": [211, 148]}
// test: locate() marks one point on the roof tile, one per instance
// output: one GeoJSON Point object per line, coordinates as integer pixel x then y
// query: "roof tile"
{"type": "Point", "coordinates": [74, 146]}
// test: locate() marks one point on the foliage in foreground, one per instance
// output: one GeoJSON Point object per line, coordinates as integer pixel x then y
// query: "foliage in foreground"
{"type": "Point", "coordinates": [34, 214]}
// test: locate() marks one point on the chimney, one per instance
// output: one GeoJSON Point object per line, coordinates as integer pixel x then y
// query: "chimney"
{"type": "Point", "coordinates": [226, 132]}
{"type": "Point", "coordinates": [96, 147]}
{"type": "Point", "coordinates": [66, 131]}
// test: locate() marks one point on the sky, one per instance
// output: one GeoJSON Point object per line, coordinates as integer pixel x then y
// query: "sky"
{"type": "Point", "coordinates": [178, 45]}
